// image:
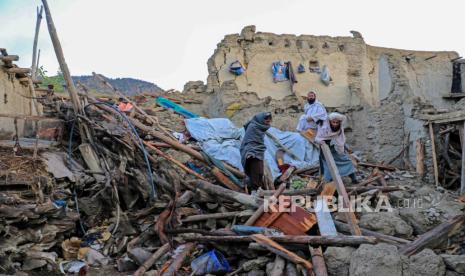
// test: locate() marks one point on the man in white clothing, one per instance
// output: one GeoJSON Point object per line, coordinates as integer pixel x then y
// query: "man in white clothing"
{"type": "Point", "coordinates": [315, 114]}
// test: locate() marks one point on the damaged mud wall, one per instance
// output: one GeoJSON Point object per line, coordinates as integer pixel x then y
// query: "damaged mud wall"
{"type": "Point", "coordinates": [379, 88]}
{"type": "Point", "coordinates": [13, 100]}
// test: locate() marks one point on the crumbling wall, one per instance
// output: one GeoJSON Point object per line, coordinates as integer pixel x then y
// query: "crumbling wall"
{"type": "Point", "coordinates": [14, 99]}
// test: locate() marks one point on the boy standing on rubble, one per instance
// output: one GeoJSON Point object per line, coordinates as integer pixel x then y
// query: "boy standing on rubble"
{"type": "Point", "coordinates": [315, 115]}
{"type": "Point", "coordinates": [332, 133]}
{"type": "Point", "coordinates": [253, 148]}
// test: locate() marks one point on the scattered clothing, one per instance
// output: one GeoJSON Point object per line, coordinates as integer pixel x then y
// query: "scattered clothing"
{"type": "Point", "coordinates": [125, 107]}
{"type": "Point", "coordinates": [290, 73]}
{"type": "Point", "coordinates": [279, 70]}
{"type": "Point", "coordinates": [301, 69]}
{"type": "Point", "coordinates": [315, 111]}
{"type": "Point", "coordinates": [236, 68]}
{"type": "Point", "coordinates": [325, 76]}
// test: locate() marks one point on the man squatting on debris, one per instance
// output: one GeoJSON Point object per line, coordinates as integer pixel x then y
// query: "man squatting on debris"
{"type": "Point", "coordinates": [253, 148]}
{"type": "Point", "coordinates": [315, 115]}
{"type": "Point", "coordinates": [332, 133]}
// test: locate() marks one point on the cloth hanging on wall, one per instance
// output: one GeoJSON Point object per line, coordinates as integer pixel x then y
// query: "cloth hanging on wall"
{"type": "Point", "coordinates": [236, 68]}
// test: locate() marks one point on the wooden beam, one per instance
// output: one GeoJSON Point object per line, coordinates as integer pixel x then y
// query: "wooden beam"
{"type": "Point", "coordinates": [18, 70]}
{"type": "Point", "coordinates": [281, 251]}
{"type": "Point", "coordinates": [34, 46]}
{"type": "Point", "coordinates": [462, 179]}
{"type": "Point", "coordinates": [193, 218]}
{"type": "Point", "coordinates": [9, 58]}
{"type": "Point", "coordinates": [433, 151]}
{"type": "Point", "coordinates": [221, 192]}
{"type": "Point", "coordinates": [344, 228]}
{"type": "Point", "coordinates": [431, 238]}
{"type": "Point", "coordinates": [340, 240]}
{"type": "Point", "coordinates": [61, 60]}
{"type": "Point", "coordinates": [319, 266]}
{"type": "Point", "coordinates": [150, 261]}
{"type": "Point", "coordinates": [182, 252]}
{"type": "Point", "coordinates": [341, 189]}
{"type": "Point", "coordinates": [381, 166]}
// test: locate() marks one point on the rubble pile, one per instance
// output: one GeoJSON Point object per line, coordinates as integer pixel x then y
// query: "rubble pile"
{"type": "Point", "coordinates": [125, 193]}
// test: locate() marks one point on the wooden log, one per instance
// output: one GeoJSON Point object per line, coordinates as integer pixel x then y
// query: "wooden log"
{"type": "Point", "coordinates": [294, 239]}
{"type": "Point", "coordinates": [178, 259]}
{"type": "Point", "coordinates": [261, 209]}
{"type": "Point", "coordinates": [462, 178]}
{"type": "Point", "coordinates": [341, 189]}
{"type": "Point", "coordinates": [193, 218]}
{"type": "Point", "coordinates": [381, 166]}
{"type": "Point", "coordinates": [150, 261]}
{"type": "Point", "coordinates": [420, 157]}
{"type": "Point", "coordinates": [61, 60]}
{"type": "Point", "coordinates": [34, 46]}
{"type": "Point", "coordinates": [305, 191]}
{"type": "Point", "coordinates": [385, 189]}
{"type": "Point", "coordinates": [370, 180]}
{"type": "Point", "coordinates": [221, 192]}
{"type": "Point", "coordinates": [9, 58]}
{"type": "Point", "coordinates": [433, 150]}
{"type": "Point", "coordinates": [431, 237]}
{"type": "Point", "coordinates": [281, 251]}
{"type": "Point", "coordinates": [285, 176]}
{"type": "Point", "coordinates": [278, 267]}
{"type": "Point", "coordinates": [223, 179]}
{"type": "Point", "coordinates": [174, 161]}
{"type": "Point", "coordinates": [343, 227]}
{"type": "Point", "coordinates": [319, 266]}
{"type": "Point", "coordinates": [18, 70]}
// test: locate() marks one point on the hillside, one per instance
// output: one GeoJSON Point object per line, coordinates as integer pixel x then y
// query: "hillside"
{"type": "Point", "coordinates": [128, 86]}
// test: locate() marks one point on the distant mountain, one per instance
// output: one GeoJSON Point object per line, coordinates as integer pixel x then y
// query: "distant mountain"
{"type": "Point", "coordinates": [128, 86]}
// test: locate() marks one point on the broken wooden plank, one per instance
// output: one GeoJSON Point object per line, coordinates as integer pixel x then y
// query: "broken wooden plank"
{"type": "Point", "coordinates": [18, 70]}
{"type": "Point", "coordinates": [281, 146]}
{"type": "Point", "coordinates": [341, 189]}
{"type": "Point", "coordinates": [433, 150]}
{"type": "Point", "coordinates": [281, 251]}
{"type": "Point", "coordinates": [420, 157]}
{"type": "Point", "coordinates": [261, 209]}
{"type": "Point", "coordinates": [340, 240]}
{"type": "Point", "coordinates": [430, 238]}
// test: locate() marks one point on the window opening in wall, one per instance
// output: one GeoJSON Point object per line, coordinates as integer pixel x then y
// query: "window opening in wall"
{"type": "Point", "coordinates": [456, 77]}
{"type": "Point", "coordinates": [5, 98]}
{"type": "Point", "coordinates": [325, 45]}
{"type": "Point", "coordinates": [314, 66]}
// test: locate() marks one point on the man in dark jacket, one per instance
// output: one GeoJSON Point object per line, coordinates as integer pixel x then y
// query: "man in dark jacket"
{"type": "Point", "coordinates": [253, 148]}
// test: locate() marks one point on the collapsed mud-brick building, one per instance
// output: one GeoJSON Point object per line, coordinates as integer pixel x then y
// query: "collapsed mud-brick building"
{"type": "Point", "coordinates": [382, 90]}
{"type": "Point", "coordinates": [20, 112]}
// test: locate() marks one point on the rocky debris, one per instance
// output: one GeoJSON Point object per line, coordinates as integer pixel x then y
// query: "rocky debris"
{"type": "Point", "coordinates": [194, 87]}
{"type": "Point", "coordinates": [338, 260]}
{"type": "Point", "coordinates": [455, 263]}
{"type": "Point", "coordinates": [375, 260]}
{"type": "Point", "coordinates": [388, 223]}
{"type": "Point", "coordinates": [426, 263]}
{"type": "Point", "coordinates": [248, 33]}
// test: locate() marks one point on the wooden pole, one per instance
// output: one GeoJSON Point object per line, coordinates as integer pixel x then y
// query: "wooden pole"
{"type": "Point", "coordinates": [340, 240]}
{"type": "Point", "coordinates": [462, 180]}
{"type": "Point", "coordinates": [319, 266]}
{"type": "Point", "coordinates": [34, 47]}
{"type": "Point", "coordinates": [433, 149]}
{"type": "Point", "coordinates": [221, 192]}
{"type": "Point", "coordinates": [61, 60]}
{"type": "Point", "coordinates": [430, 238]}
{"type": "Point", "coordinates": [420, 156]}
{"type": "Point", "coordinates": [341, 189]}
{"type": "Point", "coordinates": [184, 251]}
{"type": "Point", "coordinates": [281, 251]}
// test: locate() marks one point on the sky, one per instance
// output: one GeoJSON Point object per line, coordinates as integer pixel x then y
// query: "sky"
{"type": "Point", "coordinates": [169, 42]}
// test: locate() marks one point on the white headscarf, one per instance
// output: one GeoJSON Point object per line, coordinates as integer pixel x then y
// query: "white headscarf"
{"type": "Point", "coordinates": [338, 138]}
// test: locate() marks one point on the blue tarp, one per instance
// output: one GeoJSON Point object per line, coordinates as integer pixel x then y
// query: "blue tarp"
{"type": "Point", "coordinates": [221, 139]}
{"type": "Point", "coordinates": [164, 102]}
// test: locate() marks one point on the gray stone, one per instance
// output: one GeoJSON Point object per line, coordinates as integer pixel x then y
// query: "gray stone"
{"type": "Point", "coordinates": [388, 223]}
{"type": "Point", "coordinates": [337, 260]}
{"type": "Point", "coordinates": [248, 33]}
{"type": "Point", "coordinates": [455, 262]}
{"type": "Point", "coordinates": [255, 264]}
{"type": "Point", "coordinates": [376, 260]}
{"type": "Point", "coordinates": [427, 263]}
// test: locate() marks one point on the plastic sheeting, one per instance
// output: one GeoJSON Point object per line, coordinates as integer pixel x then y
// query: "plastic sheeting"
{"type": "Point", "coordinates": [221, 139]}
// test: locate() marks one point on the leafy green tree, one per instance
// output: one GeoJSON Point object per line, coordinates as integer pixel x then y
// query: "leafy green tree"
{"type": "Point", "coordinates": [58, 81]}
